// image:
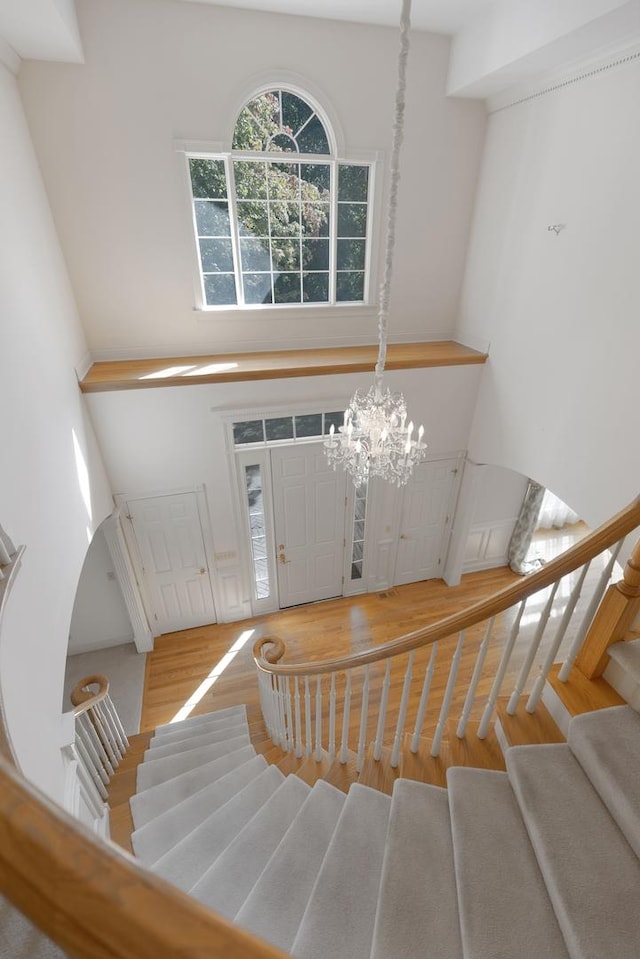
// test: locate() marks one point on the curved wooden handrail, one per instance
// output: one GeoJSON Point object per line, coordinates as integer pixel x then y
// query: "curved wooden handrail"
{"type": "Point", "coordinates": [92, 899]}
{"type": "Point", "coordinates": [268, 651]}
{"type": "Point", "coordinates": [82, 699]}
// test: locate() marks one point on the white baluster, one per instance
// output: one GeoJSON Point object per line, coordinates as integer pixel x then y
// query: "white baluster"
{"type": "Point", "coordinates": [318, 755]}
{"type": "Point", "coordinates": [97, 719]}
{"type": "Point", "coordinates": [364, 712]}
{"type": "Point", "coordinates": [424, 699]}
{"type": "Point", "coordinates": [382, 715]}
{"type": "Point", "coordinates": [332, 719]}
{"type": "Point", "coordinates": [448, 693]}
{"type": "Point", "coordinates": [485, 722]}
{"type": "Point", "coordinates": [89, 765]}
{"type": "Point", "coordinates": [121, 736]}
{"type": "Point", "coordinates": [587, 619]}
{"type": "Point", "coordinates": [307, 717]}
{"type": "Point", "coordinates": [344, 746]}
{"type": "Point", "coordinates": [272, 694]}
{"type": "Point", "coordinates": [531, 654]}
{"type": "Point", "coordinates": [93, 737]}
{"type": "Point", "coordinates": [475, 679]}
{"type": "Point", "coordinates": [263, 700]}
{"type": "Point", "coordinates": [86, 734]}
{"type": "Point", "coordinates": [552, 652]}
{"type": "Point", "coordinates": [290, 738]}
{"type": "Point", "coordinates": [402, 715]}
{"type": "Point", "coordinates": [282, 731]}
{"type": "Point", "coordinates": [298, 719]}
{"type": "Point", "coordinates": [99, 710]}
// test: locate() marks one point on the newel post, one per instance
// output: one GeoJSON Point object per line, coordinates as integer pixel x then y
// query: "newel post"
{"type": "Point", "coordinates": [613, 620]}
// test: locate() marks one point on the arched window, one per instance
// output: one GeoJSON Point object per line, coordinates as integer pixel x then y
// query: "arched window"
{"type": "Point", "coordinates": [281, 220]}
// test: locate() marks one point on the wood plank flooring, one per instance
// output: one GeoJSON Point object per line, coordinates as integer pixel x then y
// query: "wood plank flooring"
{"type": "Point", "coordinates": [183, 661]}
{"type": "Point", "coordinates": [269, 365]}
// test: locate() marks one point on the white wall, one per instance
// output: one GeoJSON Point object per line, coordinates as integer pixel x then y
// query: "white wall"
{"type": "Point", "coordinates": [498, 497]}
{"type": "Point", "coordinates": [53, 490]}
{"type": "Point", "coordinates": [157, 70]}
{"type": "Point", "coordinates": [100, 617]}
{"type": "Point", "coordinates": [163, 439]}
{"type": "Point", "coordinates": [561, 311]}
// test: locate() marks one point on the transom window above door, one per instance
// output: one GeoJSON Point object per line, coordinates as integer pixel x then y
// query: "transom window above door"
{"type": "Point", "coordinates": [281, 220]}
{"type": "Point", "coordinates": [276, 429]}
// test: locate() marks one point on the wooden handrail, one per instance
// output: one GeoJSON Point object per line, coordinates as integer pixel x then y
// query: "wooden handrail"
{"type": "Point", "coordinates": [92, 899]}
{"type": "Point", "coordinates": [268, 651]}
{"type": "Point", "coordinates": [82, 699]}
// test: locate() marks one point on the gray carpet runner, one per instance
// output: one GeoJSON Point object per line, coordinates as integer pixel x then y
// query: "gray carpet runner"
{"type": "Point", "coordinates": [540, 862]}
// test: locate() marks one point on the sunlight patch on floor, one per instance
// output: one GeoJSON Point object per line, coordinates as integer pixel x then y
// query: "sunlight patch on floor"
{"type": "Point", "coordinates": [217, 671]}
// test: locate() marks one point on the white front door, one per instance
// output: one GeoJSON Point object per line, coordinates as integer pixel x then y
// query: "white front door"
{"type": "Point", "coordinates": [168, 532]}
{"type": "Point", "coordinates": [426, 509]}
{"type": "Point", "coordinates": [309, 514]}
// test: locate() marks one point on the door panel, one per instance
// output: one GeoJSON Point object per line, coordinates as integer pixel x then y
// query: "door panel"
{"type": "Point", "coordinates": [423, 523]}
{"type": "Point", "coordinates": [308, 498]}
{"type": "Point", "coordinates": [168, 532]}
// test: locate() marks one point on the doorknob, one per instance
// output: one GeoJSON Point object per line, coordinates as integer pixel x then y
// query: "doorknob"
{"type": "Point", "coordinates": [282, 558]}
{"type": "Point", "coordinates": [404, 536]}
{"type": "Point", "coordinates": [281, 546]}
{"type": "Point", "coordinates": [202, 571]}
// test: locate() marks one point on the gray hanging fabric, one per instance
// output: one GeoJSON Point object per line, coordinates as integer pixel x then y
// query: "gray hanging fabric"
{"type": "Point", "coordinates": [525, 528]}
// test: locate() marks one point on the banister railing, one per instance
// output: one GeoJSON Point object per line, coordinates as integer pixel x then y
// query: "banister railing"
{"type": "Point", "coordinates": [269, 650]}
{"type": "Point", "coordinates": [92, 899]}
{"type": "Point", "coordinates": [387, 687]}
{"type": "Point", "coordinates": [101, 741]}
{"type": "Point", "coordinates": [96, 903]}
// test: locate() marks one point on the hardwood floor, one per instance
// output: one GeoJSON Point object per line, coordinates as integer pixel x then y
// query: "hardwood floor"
{"type": "Point", "coordinates": [182, 661]}
{"type": "Point", "coordinates": [215, 662]}
{"type": "Point", "coordinates": [212, 667]}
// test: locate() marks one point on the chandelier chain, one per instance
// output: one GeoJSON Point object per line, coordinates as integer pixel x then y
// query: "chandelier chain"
{"type": "Point", "coordinates": [394, 176]}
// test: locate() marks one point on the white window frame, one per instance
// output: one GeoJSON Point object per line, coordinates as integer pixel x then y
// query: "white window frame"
{"type": "Point", "coordinates": [219, 151]}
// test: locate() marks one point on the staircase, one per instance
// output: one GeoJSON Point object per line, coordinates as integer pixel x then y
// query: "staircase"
{"type": "Point", "coordinates": [540, 860]}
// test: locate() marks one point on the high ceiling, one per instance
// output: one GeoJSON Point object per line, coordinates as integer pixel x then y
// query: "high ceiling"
{"type": "Point", "coordinates": [436, 16]}
{"type": "Point", "coordinates": [498, 46]}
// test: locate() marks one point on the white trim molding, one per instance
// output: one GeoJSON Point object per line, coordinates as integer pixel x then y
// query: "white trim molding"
{"type": "Point", "coordinates": [123, 568]}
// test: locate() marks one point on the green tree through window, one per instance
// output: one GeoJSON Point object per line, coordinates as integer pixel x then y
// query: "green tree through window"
{"type": "Point", "coordinates": [280, 220]}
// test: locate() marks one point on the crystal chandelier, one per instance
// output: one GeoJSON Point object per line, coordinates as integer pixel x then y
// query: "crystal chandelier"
{"type": "Point", "coordinates": [375, 438]}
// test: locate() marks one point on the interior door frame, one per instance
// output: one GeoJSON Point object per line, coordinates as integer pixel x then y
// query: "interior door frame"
{"type": "Point", "coordinates": [259, 453]}
{"type": "Point", "coordinates": [459, 457]}
{"type": "Point", "coordinates": [139, 585]}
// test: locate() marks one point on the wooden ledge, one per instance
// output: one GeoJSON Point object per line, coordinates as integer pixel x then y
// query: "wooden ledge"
{"type": "Point", "coordinates": [234, 367]}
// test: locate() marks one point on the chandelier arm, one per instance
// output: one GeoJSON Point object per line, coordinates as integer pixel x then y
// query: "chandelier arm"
{"type": "Point", "coordinates": [398, 136]}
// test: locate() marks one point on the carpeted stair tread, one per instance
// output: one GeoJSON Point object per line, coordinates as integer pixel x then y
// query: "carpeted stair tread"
{"type": "Point", "coordinates": [157, 837]}
{"type": "Point", "coordinates": [156, 800]}
{"type": "Point", "coordinates": [183, 735]}
{"type": "Point", "coordinates": [417, 904]}
{"type": "Point", "coordinates": [192, 721]}
{"type": "Point", "coordinates": [591, 872]}
{"type": "Point", "coordinates": [614, 772]}
{"type": "Point", "coordinates": [188, 860]}
{"type": "Point", "coordinates": [228, 882]}
{"type": "Point", "coordinates": [275, 906]}
{"type": "Point", "coordinates": [20, 939]}
{"type": "Point", "coordinates": [155, 771]}
{"type": "Point", "coordinates": [339, 917]}
{"type": "Point", "coordinates": [193, 742]}
{"type": "Point", "coordinates": [503, 904]}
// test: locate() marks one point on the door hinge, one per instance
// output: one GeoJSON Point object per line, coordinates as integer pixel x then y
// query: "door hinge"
{"type": "Point", "coordinates": [344, 543]}
{"type": "Point", "coordinates": [439, 561]}
{"type": "Point", "coordinates": [345, 501]}
{"type": "Point", "coordinates": [155, 616]}
{"type": "Point", "coordinates": [447, 520]}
